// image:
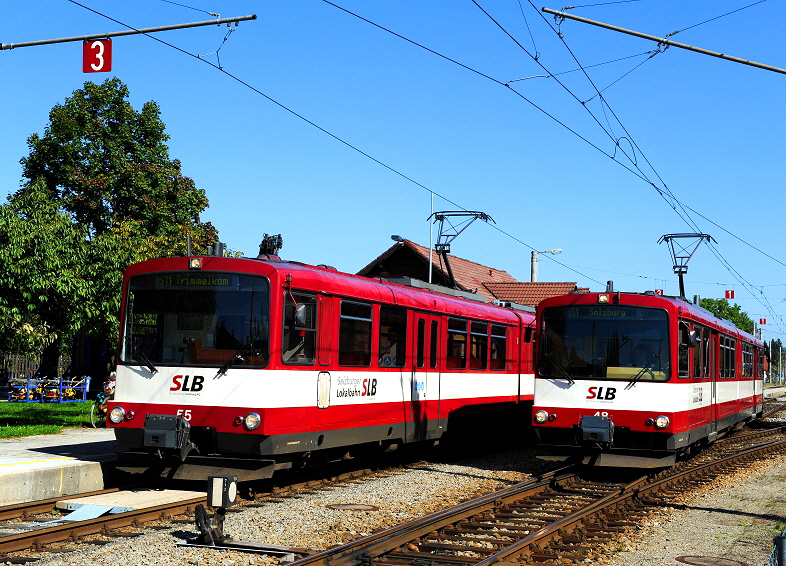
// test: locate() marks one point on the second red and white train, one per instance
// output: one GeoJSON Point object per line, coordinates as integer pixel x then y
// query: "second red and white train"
{"type": "Point", "coordinates": [639, 380]}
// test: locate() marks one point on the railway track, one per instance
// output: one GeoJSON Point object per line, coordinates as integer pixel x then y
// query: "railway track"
{"type": "Point", "coordinates": [556, 518]}
{"type": "Point", "coordinates": [23, 526]}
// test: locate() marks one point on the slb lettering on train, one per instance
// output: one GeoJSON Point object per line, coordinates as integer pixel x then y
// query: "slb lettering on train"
{"type": "Point", "coordinates": [602, 393]}
{"type": "Point", "coordinates": [370, 387]}
{"type": "Point", "coordinates": [187, 383]}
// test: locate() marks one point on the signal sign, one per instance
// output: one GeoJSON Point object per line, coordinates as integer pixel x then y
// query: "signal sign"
{"type": "Point", "coordinates": [97, 56]}
{"type": "Point", "coordinates": [762, 321]}
{"type": "Point", "coordinates": [730, 294]}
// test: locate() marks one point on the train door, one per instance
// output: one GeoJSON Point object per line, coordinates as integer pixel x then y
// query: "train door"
{"type": "Point", "coordinates": [714, 372]}
{"type": "Point", "coordinates": [425, 393]}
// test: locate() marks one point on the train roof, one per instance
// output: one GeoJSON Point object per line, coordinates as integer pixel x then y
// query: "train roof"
{"type": "Point", "coordinates": [650, 299]}
{"type": "Point", "coordinates": [407, 292]}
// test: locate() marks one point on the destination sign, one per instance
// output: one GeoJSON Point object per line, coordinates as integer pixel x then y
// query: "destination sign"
{"type": "Point", "coordinates": [192, 280]}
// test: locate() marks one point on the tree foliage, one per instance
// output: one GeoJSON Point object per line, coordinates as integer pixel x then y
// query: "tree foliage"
{"type": "Point", "coordinates": [99, 193]}
{"type": "Point", "coordinates": [722, 309]}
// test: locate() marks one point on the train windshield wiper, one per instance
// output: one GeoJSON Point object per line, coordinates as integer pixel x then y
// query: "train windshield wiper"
{"type": "Point", "coordinates": [645, 369]}
{"type": "Point", "coordinates": [565, 374]}
{"type": "Point", "coordinates": [145, 360]}
{"type": "Point", "coordinates": [239, 355]}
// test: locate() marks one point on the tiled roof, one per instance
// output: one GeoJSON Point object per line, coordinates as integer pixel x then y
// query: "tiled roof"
{"type": "Point", "coordinates": [531, 293]}
{"type": "Point", "coordinates": [470, 276]}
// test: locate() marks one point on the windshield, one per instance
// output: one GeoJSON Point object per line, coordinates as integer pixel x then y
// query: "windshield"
{"type": "Point", "coordinates": [197, 318]}
{"type": "Point", "coordinates": [604, 341]}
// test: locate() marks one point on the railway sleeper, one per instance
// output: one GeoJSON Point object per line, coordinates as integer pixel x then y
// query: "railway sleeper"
{"type": "Point", "coordinates": [457, 548]}
{"type": "Point", "coordinates": [508, 534]}
{"type": "Point", "coordinates": [487, 540]}
{"type": "Point", "coordinates": [424, 557]}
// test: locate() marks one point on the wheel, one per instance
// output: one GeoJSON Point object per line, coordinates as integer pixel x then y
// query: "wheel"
{"type": "Point", "coordinates": [97, 415]}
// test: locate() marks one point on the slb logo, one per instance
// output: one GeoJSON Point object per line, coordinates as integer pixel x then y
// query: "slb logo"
{"type": "Point", "coordinates": [181, 383]}
{"type": "Point", "coordinates": [599, 393]}
{"type": "Point", "coordinates": [369, 387]}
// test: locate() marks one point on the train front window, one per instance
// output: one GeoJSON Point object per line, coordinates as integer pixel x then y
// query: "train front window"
{"type": "Point", "coordinates": [197, 319]}
{"type": "Point", "coordinates": [604, 342]}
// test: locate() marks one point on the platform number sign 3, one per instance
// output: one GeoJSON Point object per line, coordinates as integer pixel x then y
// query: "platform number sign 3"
{"type": "Point", "coordinates": [97, 56]}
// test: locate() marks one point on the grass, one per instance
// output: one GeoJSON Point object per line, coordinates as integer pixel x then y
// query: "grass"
{"type": "Point", "coordinates": [26, 419]}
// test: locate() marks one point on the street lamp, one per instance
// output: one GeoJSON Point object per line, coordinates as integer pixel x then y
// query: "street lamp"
{"type": "Point", "coordinates": [534, 272]}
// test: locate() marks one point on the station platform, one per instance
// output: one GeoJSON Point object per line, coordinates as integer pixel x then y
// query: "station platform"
{"type": "Point", "coordinates": [53, 465]}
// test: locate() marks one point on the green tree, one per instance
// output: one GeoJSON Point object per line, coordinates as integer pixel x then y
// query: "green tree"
{"type": "Point", "coordinates": [722, 309]}
{"type": "Point", "coordinates": [99, 193]}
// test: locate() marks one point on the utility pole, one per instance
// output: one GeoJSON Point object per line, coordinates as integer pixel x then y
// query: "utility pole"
{"type": "Point", "coordinates": [664, 41]}
{"type": "Point", "coordinates": [534, 262]}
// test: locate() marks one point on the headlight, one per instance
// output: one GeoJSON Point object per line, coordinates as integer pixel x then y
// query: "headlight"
{"type": "Point", "coordinates": [662, 422]}
{"type": "Point", "coordinates": [117, 414]}
{"type": "Point", "coordinates": [541, 417]}
{"type": "Point", "coordinates": [252, 421]}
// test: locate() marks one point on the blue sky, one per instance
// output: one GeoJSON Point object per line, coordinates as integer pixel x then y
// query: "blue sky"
{"type": "Point", "coordinates": [708, 131]}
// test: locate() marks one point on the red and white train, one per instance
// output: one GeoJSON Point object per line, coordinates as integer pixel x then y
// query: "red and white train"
{"type": "Point", "coordinates": [638, 380]}
{"type": "Point", "coordinates": [248, 366]}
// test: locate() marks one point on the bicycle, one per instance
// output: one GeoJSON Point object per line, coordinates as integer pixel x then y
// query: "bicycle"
{"type": "Point", "coordinates": [98, 410]}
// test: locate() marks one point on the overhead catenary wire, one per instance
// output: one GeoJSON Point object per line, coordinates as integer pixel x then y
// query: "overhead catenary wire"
{"type": "Point", "coordinates": [315, 125]}
{"type": "Point", "coordinates": [683, 215]}
{"type": "Point", "coordinates": [345, 142]}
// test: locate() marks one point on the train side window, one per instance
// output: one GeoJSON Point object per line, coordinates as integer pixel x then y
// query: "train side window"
{"type": "Point", "coordinates": [456, 355]}
{"type": "Point", "coordinates": [732, 358]}
{"type": "Point", "coordinates": [498, 345]}
{"type": "Point", "coordinates": [761, 364]}
{"type": "Point", "coordinates": [479, 345]}
{"type": "Point", "coordinates": [420, 355]}
{"type": "Point", "coordinates": [434, 349]}
{"type": "Point", "coordinates": [697, 353]}
{"type": "Point", "coordinates": [728, 346]}
{"type": "Point", "coordinates": [747, 360]}
{"type": "Point", "coordinates": [684, 349]}
{"type": "Point", "coordinates": [299, 338]}
{"type": "Point", "coordinates": [392, 337]}
{"type": "Point", "coordinates": [706, 353]}
{"type": "Point", "coordinates": [354, 339]}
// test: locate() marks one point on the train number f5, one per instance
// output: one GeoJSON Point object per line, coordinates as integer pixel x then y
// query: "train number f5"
{"type": "Point", "coordinates": [604, 393]}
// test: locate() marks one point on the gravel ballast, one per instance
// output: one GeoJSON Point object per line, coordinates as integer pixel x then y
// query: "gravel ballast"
{"type": "Point", "coordinates": [734, 518]}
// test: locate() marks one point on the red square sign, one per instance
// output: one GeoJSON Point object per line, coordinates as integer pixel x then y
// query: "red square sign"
{"type": "Point", "coordinates": [730, 294]}
{"type": "Point", "coordinates": [97, 56]}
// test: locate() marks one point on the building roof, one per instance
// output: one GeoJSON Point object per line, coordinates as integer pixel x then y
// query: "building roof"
{"type": "Point", "coordinates": [469, 275]}
{"type": "Point", "coordinates": [408, 259]}
{"type": "Point", "coordinates": [531, 293]}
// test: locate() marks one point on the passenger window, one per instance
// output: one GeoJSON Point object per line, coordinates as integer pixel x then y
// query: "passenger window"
{"type": "Point", "coordinates": [354, 342]}
{"type": "Point", "coordinates": [684, 349]}
{"type": "Point", "coordinates": [498, 346]}
{"type": "Point", "coordinates": [434, 350]}
{"type": "Point", "coordinates": [457, 344]}
{"type": "Point", "coordinates": [392, 337]}
{"type": "Point", "coordinates": [300, 329]}
{"type": "Point", "coordinates": [421, 353]}
{"type": "Point", "coordinates": [697, 354]}
{"type": "Point", "coordinates": [479, 343]}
